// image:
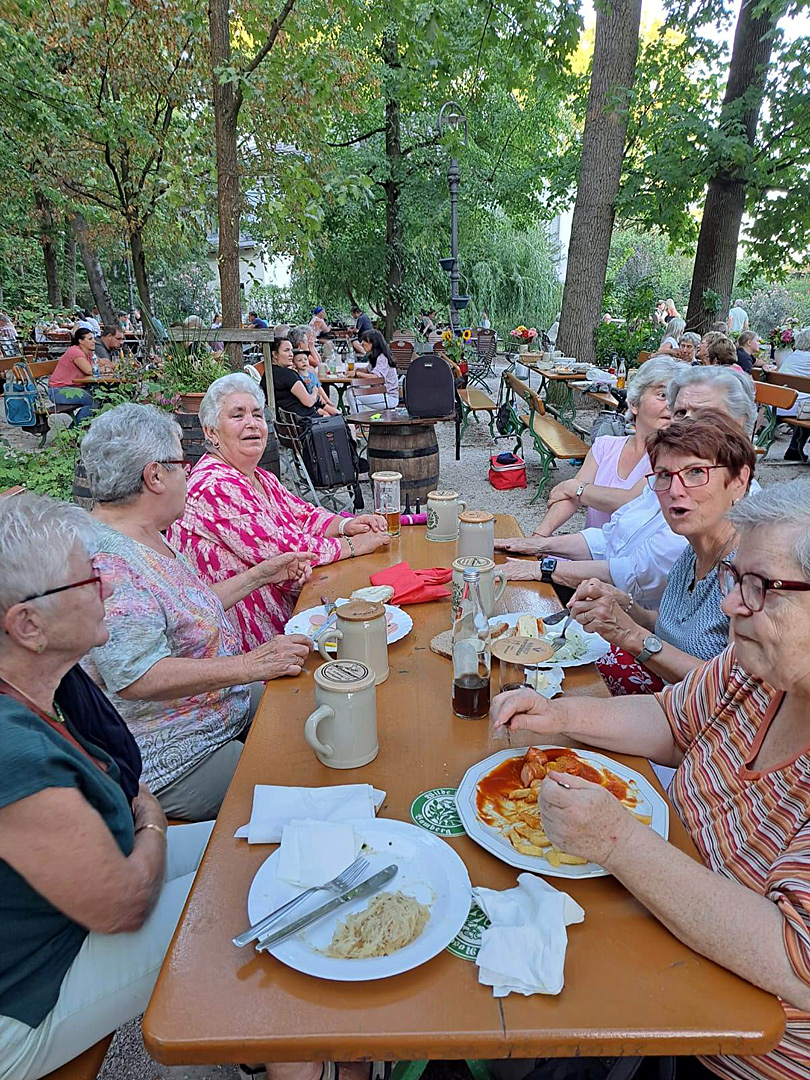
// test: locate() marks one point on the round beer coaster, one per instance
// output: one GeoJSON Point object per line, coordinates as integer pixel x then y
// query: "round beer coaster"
{"type": "Point", "coordinates": [468, 940]}
{"type": "Point", "coordinates": [435, 810]}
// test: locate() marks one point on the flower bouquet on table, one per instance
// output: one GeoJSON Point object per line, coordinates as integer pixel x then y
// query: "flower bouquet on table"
{"type": "Point", "coordinates": [526, 335]}
{"type": "Point", "coordinates": [455, 348]}
{"type": "Point", "coordinates": [782, 337]}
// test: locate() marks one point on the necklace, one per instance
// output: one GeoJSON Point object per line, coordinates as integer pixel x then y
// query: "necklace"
{"type": "Point", "coordinates": [57, 713]}
{"type": "Point", "coordinates": [715, 563]}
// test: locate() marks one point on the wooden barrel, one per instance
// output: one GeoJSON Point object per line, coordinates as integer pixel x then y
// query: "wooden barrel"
{"type": "Point", "coordinates": [410, 449]}
{"type": "Point", "coordinates": [194, 442]}
{"type": "Point", "coordinates": [81, 488]}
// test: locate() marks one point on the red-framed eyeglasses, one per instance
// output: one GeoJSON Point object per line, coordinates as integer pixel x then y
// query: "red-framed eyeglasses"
{"type": "Point", "coordinates": [97, 577]}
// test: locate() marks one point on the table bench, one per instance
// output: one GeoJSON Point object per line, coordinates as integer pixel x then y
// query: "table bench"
{"type": "Point", "coordinates": [472, 402]}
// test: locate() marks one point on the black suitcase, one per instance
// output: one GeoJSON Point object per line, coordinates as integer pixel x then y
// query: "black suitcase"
{"type": "Point", "coordinates": [429, 389]}
{"type": "Point", "coordinates": [329, 455]}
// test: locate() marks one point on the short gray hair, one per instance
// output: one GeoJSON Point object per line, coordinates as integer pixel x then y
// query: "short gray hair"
{"type": "Point", "coordinates": [238, 382]}
{"type": "Point", "coordinates": [120, 444]}
{"type": "Point", "coordinates": [691, 337]}
{"type": "Point", "coordinates": [738, 387]}
{"type": "Point", "coordinates": [801, 339]}
{"type": "Point", "coordinates": [298, 335]}
{"type": "Point", "coordinates": [785, 505]}
{"type": "Point", "coordinates": [654, 372]}
{"type": "Point", "coordinates": [37, 536]}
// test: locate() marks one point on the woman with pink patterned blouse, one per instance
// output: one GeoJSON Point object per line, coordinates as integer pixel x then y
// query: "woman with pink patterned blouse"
{"type": "Point", "coordinates": [237, 514]}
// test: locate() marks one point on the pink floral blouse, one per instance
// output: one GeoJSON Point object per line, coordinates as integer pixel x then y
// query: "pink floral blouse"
{"type": "Point", "coordinates": [228, 526]}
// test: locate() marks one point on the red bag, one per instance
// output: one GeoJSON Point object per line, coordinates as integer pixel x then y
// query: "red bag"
{"type": "Point", "coordinates": [505, 477]}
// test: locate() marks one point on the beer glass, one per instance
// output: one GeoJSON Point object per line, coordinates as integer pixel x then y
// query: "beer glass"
{"type": "Point", "coordinates": [386, 498]}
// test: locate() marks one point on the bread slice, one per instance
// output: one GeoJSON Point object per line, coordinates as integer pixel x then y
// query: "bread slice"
{"type": "Point", "coordinates": [443, 644]}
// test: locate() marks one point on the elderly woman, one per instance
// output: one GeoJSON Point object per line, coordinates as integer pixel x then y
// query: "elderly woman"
{"type": "Point", "coordinates": [688, 344]}
{"type": "Point", "coordinates": [736, 731]}
{"type": "Point", "coordinates": [701, 467]}
{"type": "Point", "coordinates": [706, 342]}
{"type": "Point", "coordinates": [636, 550]}
{"type": "Point", "coordinates": [172, 663]}
{"type": "Point", "coordinates": [237, 514]}
{"type": "Point", "coordinates": [72, 367]}
{"type": "Point", "coordinates": [615, 461]}
{"type": "Point", "coordinates": [669, 343]}
{"type": "Point", "coordinates": [91, 880]}
{"type": "Point", "coordinates": [723, 352]}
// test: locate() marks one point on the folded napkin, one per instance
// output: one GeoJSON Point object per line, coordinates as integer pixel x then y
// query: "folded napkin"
{"type": "Point", "coordinates": [414, 586]}
{"type": "Point", "coordinates": [313, 852]}
{"type": "Point", "coordinates": [523, 951]}
{"type": "Point", "coordinates": [413, 519]}
{"type": "Point", "coordinates": [274, 806]}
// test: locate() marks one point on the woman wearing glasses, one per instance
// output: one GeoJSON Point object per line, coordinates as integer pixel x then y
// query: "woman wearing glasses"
{"type": "Point", "coordinates": [735, 729]}
{"type": "Point", "coordinates": [699, 469]}
{"type": "Point", "coordinates": [172, 665]}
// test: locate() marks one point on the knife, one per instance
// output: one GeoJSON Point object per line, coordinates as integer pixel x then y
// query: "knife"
{"type": "Point", "coordinates": [359, 892]}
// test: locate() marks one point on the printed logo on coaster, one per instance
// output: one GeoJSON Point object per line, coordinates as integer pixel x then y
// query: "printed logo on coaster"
{"type": "Point", "coordinates": [435, 810]}
{"type": "Point", "coordinates": [467, 942]}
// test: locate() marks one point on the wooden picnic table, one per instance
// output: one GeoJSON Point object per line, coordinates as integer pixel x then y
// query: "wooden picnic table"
{"type": "Point", "coordinates": [559, 395]}
{"type": "Point", "coordinates": [340, 383]}
{"type": "Point", "coordinates": [631, 987]}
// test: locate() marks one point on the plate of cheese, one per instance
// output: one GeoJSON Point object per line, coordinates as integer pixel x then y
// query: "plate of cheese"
{"type": "Point", "coordinates": [580, 647]}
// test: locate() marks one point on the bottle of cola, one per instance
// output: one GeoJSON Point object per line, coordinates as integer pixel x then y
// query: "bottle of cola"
{"type": "Point", "coordinates": [472, 656]}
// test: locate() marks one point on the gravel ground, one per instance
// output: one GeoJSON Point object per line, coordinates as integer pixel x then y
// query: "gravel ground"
{"type": "Point", "coordinates": [127, 1058]}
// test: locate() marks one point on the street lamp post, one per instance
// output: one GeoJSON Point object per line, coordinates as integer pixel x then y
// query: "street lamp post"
{"type": "Point", "coordinates": [451, 119]}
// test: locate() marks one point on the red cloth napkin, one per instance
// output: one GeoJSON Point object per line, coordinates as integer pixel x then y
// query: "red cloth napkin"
{"type": "Point", "coordinates": [414, 586]}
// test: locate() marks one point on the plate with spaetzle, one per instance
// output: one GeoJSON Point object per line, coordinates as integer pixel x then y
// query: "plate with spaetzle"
{"type": "Point", "coordinates": [497, 804]}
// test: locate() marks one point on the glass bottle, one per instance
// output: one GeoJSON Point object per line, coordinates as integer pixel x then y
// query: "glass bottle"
{"type": "Point", "coordinates": [472, 657]}
{"type": "Point", "coordinates": [621, 375]}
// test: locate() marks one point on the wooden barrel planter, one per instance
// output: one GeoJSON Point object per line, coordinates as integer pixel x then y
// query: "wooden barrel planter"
{"type": "Point", "coordinates": [194, 442]}
{"type": "Point", "coordinates": [81, 488]}
{"type": "Point", "coordinates": [410, 449]}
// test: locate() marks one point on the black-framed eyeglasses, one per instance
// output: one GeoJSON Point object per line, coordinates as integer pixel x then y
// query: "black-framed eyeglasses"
{"type": "Point", "coordinates": [754, 587]}
{"type": "Point", "coordinates": [97, 577]}
{"type": "Point", "coordinates": [183, 462]}
{"type": "Point", "coordinates": [693, 477]}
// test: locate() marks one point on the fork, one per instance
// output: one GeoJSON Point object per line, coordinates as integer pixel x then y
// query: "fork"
{"type": "Point", "coordinates": [558, 642]}
{"type": "Point", "coordinates": [340, 884]}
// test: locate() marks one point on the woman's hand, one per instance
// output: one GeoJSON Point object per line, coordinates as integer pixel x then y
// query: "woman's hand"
{"type": "Point", "coordinates": [284, 655]}
{"type": "Point", "coordinates": [519, 570]}
{"type": "Point", "coordinates": [365, 543]}
{"type": "Point", "coordinates": [146, 810]}
{"type": "Point", "coordinates": [524, 710]}
{"type": "Point", "coordinates": [294, 567]}
{"type": "Point", "coordinates": [566, 489]}
{"type": "Point", "coordinates": [582, 818]}
{"type": "Point", "coordinates": [365, 523]}
{"type": "Point", "coordinates": [599, 608]}
{"type": "Point", "coordinates": [520, 545]}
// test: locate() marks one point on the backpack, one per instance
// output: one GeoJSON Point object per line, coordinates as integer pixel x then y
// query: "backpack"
{"type": "Point", "coordinates": [608, 422]}
{"type": "Point", "coordinates": [330, 455]}
{"type": "Point", "coordinates": [20, 396]}
{"type": "Point", "coordinates": [428, 387]}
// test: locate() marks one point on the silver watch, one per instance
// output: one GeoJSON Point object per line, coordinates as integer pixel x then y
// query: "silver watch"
{"type": "Point", "coordinates": [651, 647]}
{"type": "Point", "coordinates": [579, 491]}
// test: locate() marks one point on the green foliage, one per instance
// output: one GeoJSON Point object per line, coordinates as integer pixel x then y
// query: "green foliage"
{"type": "Point", "coordinates": [48, 471]}
{"type": "Point", "coordinates": [624, 342]}
{"type": "Point", "coordinates": [186, 373]}
{"type": "Point", "coordinates": [711, 301]}
{"type": "Point", "coordinates": [773, 305]}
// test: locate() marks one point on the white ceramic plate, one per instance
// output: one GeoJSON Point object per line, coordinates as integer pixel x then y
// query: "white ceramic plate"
{"type": "Point", "coordinates": [429, 870]}
{"type": "Point", "coordinates": [490, 838]}
{"type": "Point", "coordinates": [595, 646]}
{"type": "Point", "coordinates": [399, 622]}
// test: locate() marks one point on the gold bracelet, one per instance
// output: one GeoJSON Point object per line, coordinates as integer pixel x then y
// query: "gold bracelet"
{"type": "Point", "coordinates": [348, 540]}
{"type": "Point", "coordinates": [152, 825]}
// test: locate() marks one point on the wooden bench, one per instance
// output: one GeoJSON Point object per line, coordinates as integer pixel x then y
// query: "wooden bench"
{"type": "Point", "coordinates": [86, 1066]}
{"type": "Point", "coordinates": [473, 402]}
{"type": "Point", "coordinates": [769, 398]}
{"type": "Point", "coordinates": [552, 440]}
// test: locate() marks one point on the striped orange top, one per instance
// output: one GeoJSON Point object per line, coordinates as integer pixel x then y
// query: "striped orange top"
{"type": "Point", "coordinates": [749, 825]}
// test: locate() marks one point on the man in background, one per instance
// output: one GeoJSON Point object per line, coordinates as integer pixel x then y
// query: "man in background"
{"type": "Point", "coordinates": [737, 318]}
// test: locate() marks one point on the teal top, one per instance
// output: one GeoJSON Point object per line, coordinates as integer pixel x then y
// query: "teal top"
{"type": "Point", "coordinates": [37, 942]}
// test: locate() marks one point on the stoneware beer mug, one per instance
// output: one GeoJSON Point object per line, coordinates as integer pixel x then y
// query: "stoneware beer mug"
{"type": "Point", "coordinates": [491, 582]}
{"type": "Point", "coordinates": [476, 534]}
{"type": "Point", "coordinates": [343, 728]}
{"type": "Point", "coordinates": [361, 634]}
{"type": "Point", "coordinates": [443, 509]}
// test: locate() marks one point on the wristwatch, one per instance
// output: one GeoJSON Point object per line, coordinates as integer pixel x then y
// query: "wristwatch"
{"type": "Point", "coordinates": [548, 565]}
{"type": "Point", "coordinates": [652, 646]}
{"type": "Point", "coordinates": [579, 491]}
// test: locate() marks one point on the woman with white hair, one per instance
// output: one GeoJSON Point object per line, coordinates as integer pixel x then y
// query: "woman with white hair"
{"type": "Point", "coordinates": [615, 461]}
{"type": "Point", "coordinates": [736, 731]}
{"type": "Point", "coordinates": [688, 344]}
{"type": "Point", "coordinates": [237, 514]}
{"type": "Point", "coordinates": [669, 344]}
{"type": "Point", "coordinates": [92, 882]}
{"type": "Point", "coordinates": [172, 664]}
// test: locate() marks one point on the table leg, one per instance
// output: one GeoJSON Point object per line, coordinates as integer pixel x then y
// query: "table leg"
{"type": "Point", "coordinates": [408, 1070]}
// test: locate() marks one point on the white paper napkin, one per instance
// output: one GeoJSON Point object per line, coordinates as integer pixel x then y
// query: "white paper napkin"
{"type": "Point", "coordinates": [523, 951]}
{"type": "Point", "coordinates": [274, 806]}
{"type": "Point", "coordinates": [313, 852]}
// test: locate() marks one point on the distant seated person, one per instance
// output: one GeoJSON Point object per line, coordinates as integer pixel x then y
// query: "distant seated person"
{"type": "Point", "coordinates": [688, 344]}
{"type": "Point", "coordinates": [318, 323]}
{"type": "Point", "coordinates": [92, 881]}
{"type": "Point", "coordinates": [290, 390]}
{"type": "Point", "coordinates": [172, 664]}
{"type": "Point", "coordinates": [7, 329]}
{"type": "Point", "coordinates": [362, 322]}
{"type": "Point", "coordinates": [137, 321]}
{"type": "Point", "coordinates": [302, 339]}
{"type": "Point", "coordinates": [485, 321]}
{"type": "Point", "coordinates": [723, 352]}
{"type": "Point", "coordinates": [706, 341]}
{"type": "Point", "coordinates": [124, 323]}
{"type": "Point", "coordinates": [427, 322]}
{"type": "Point", "coordinates": [74, 365]}
{"type": "Point", "coordinates": [257, 322]}
{"type": "Point", "coordinates": [748, 350]}
{"type": "Point", "coordinates": [238, 514]}
{"type": "Point", "coordinates": [108, 348]}
{"type": "Point", "coordinates": [670, 342]}
{"type": "Point", "coordinates": [380, 366]}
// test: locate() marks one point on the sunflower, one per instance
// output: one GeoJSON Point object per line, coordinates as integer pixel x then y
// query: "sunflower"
{"type": "Point", "coordinates": [447, 337]}
{"type": "Point", "coordinates": [467, 334]}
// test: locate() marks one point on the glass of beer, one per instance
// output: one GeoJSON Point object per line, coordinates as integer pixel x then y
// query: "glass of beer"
{"type": "Point", "coordinates": [387, 498]}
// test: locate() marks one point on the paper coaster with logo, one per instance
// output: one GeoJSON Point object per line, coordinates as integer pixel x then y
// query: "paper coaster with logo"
{"type": "Point", "coordinates": [435, 810]}
{"type": "Point", "coordinates": [468, 940]}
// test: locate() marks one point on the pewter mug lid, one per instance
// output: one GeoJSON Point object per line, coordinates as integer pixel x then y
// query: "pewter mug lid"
{"type": "Point", "coordinates": [447, 496]}
{"type": "Point", "coordinates": [360, 610]}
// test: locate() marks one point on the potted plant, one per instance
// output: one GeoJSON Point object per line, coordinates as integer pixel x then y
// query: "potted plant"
{"type": "Point", "coordinates": [188, 376]}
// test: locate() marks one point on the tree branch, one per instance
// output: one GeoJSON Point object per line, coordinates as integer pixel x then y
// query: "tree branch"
{"type": "Point", "coordinates": [269, 42]}
{"type": "Point", "coordinates": [359, 139]}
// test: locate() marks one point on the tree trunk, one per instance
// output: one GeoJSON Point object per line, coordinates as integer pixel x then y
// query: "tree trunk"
{"type": "Point", "coordinates": [92, 267]}
{"type": "Point", "coordinates": [70, 265]}
{"type": "Point", "coordinates": [139, 269]}
{"type": "Point", "coordinates": [614, 68]}
{"type": "Point", "coordinates": [46, 240]}
{"type": "Point", "coordinates": [393, 184]}
{"type": "Point", "coordinates": [716, 255]}
{"type": "Point", "coordinates": [226, 115]}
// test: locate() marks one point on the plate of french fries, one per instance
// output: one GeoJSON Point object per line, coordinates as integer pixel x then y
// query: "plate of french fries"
{"type": "Point", "coordinates": [580, 646]}
{"type": "Point", "coordinates": [497, 804]}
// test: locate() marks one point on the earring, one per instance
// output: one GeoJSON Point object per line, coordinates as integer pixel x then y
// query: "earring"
{"type": "Point", "coordinates": [40, 647]}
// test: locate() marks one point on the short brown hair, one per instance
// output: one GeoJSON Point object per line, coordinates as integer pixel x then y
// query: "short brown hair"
{"type": "Point", "coordinates": [723, 351]}
{"type": "Point", "coordinates": [709, 434]}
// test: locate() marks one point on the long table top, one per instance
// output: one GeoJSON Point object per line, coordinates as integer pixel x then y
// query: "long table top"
{"type": "Point", "coordinates": [631, 987]}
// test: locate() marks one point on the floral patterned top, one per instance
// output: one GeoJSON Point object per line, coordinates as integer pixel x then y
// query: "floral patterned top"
{"type": "Point", "coordinates": [229, 526]}
{"type": "Point", "coordinates": [160, 608]}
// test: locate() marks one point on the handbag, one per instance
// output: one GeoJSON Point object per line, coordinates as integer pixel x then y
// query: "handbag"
{"type": "Point", "coordinates": [20, 396]}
